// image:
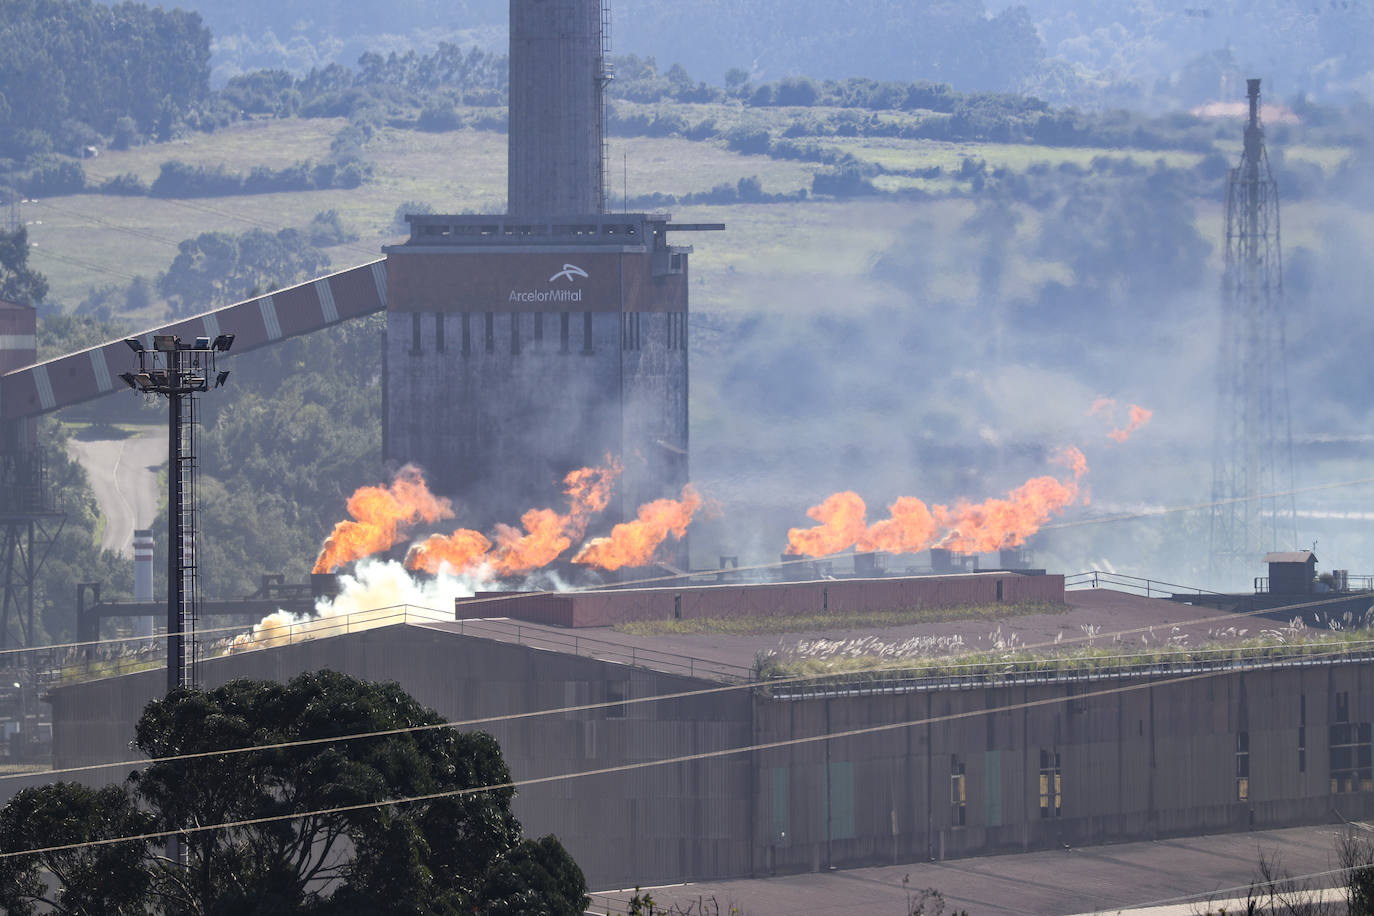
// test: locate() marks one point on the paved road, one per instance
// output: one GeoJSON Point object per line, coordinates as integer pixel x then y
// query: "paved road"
{"type": "Point", "coordinates": [123, 474]}
{"type": "Point", "coordinates": [1098, 879]}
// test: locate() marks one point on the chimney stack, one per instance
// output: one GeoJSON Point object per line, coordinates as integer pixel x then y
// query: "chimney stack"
{"type": "Point", "coordinates": [558, 74]}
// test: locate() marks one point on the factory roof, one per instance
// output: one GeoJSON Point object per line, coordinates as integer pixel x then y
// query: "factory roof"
{"type": "Point", "coordinates": [1090, 614]}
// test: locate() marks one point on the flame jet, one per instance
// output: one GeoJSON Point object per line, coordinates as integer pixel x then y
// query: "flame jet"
{"type": "Point", "coordinates": [912, 526]}
{"type": "Point", "coordinates": [544, 534]}
{"type": "Point", "coordinates": [381, 518]}
{"type": "Point", "coordinates": [997, 523]}
{"type": "Point", "coordinates": [634, 543]}
{"type": "Point", "coordinates": [1138, 418]}
{"type": "Point", "coordinates": [842, 524]}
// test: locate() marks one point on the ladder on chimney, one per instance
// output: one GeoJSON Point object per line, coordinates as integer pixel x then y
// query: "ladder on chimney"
{"type": "Point", "coordinates": [607, 73]}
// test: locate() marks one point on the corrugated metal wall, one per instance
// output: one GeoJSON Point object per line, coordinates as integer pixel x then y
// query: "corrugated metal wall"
{"type": "Point", "coordinates": [1153, 760]}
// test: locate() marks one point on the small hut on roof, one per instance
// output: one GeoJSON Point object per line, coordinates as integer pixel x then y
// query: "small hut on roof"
{"type": "Point", "coordinates": [1292, 572]}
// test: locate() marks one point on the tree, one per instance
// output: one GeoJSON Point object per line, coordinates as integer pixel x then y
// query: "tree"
{"type": "Point", "coordinates": [18, 283]}
{"type": "Point", "coordinates": [90, 879]}
{"type": "Point", "coordinates": [454, 853]}
{"type": "Point", "coordinates": [216, 268]}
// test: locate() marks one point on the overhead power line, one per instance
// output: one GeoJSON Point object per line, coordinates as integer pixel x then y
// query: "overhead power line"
{"type": "Point", "coordinates": [627, 767]}
{"type": "Point", "coordinates": [631, 701]}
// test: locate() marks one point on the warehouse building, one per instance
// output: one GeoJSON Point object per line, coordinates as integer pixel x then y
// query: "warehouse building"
{"type": "Point", "coordinates": [925, 764]}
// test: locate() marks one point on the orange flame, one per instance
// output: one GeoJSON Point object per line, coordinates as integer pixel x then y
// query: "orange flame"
{"type": "Point", "coordinates": [589, 493]}
{"type": "Point", "coordinates": [634, 543]}
{"type": "Point", "coordinates": [382, 516]}
{"type": "Point", "coordinates": [462, 550]}
{"type": "Point", "coordinates": [842, 523]}
{"type": "Point", "coordinates": [910, 529]}
{"type": "Point", "coordinates": [539, 544]}
{"type": "Point", "coordinates": [1139, 417]}
{"type": "Point", "coordinates": [998, 523]}
{"type": "Point", "coordinates": [913, 526]}
{"type": "Point", "coordinates": [544, 534]}
{"type": "Point", "coordinates": [1106, 407]}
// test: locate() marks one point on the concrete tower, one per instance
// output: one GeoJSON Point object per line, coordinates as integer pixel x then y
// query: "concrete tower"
{"type": "Point", "coordinates": [523, 346]}
{"type": "Point", "coordinates": [558, 73]}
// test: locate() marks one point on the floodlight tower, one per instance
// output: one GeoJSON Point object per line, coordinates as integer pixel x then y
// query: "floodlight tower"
{"type": "Point", "coordinates": [1252, 467]}
{"type": "Point", "coordinates": [180, 371]}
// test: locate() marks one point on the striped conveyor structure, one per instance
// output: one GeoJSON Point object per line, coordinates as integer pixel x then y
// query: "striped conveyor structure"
{"type": "Point", "coordinates": [34, 390]}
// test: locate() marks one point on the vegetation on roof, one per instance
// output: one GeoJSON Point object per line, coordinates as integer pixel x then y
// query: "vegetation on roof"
{"type": "Point", "coordinates": [762, 625]}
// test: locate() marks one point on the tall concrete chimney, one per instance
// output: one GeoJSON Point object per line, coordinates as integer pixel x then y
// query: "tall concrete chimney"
{"type": "Point", "coordinates": [143, 578]}
{"type": "Point", "coordinates": [558, 74]}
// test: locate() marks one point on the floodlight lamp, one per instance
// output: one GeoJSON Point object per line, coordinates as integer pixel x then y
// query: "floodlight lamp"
{"type": "Point", "coordinates": [166, 343]}
{"type": "Point", "coordinates": [221, 378]}
{"type": "Point", "coordinates": [223, 342]}
{"type": "Point", "coordinates": [202, 343]}
{"type": "Point", "coordinates": [145, 381]}
{"type": "Point", "coordinates": [128, 379]}
{"type": "Point", "coordinates": [135, 344]}
{"type": "Point", "coordinates": [159, 377]}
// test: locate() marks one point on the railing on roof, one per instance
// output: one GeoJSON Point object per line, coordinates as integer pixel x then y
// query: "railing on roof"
{"type": "Point", "coordinates": [1149, 588]}
{"type": "Point", "coordinates": [1346, 584]}
{"type": "Point", "coordinates": [1070, 669]}
{"type": "Point", "coordinates": [571, 643]}
{"type": "Point", "coordinates": [112, 658]}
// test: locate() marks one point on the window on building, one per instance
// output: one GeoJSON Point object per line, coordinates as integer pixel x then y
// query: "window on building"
{"type": "Point", "coordinates": [415, 333]}
{"type": "Point", "coordinates": [958, 793]}
{"type": "Point", "coordinates": [1051, 785]}
{"type": "Point", "coordinates": [587, 333]}
{"type": "Point", "coordinates": [491, 332]}
{"type": "Point", "coordinates": [1351, 769]}
{"type": "Point", "coordinates": [467, 333]}
{"type": "Point", "coordinates": [629, 331]}
{"type": "Point", "coordinates": [1242, 766]}
{"type": "Point", "coordinates": [1343, 706]}
{"type": "Point", "coordinates": [615, 693]}
{"type": "Point", "coordinates": [514, 333]}
{"type": "Point", "coordinates": [538, 327]}
{"type": "Point", "coordinates": [563, 333]}
{"type": "Point", "coordinates": [439, 332]}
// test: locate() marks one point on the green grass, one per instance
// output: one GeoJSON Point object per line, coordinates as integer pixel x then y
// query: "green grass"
{"type": "Point", "coordinates": [22, 769]}
{"type": "Point", "coordinates": [1074, 659]}
{"type": "Point", "coordinates": [807, 623]}
{"type": "Point", "coordinates": [774, 258]}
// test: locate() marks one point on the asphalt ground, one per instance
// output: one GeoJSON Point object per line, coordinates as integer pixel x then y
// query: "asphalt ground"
{"type": "Point", "coordinates": [1066, 882]}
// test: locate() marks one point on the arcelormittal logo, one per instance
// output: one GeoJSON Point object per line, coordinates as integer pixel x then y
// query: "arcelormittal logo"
{"type": "Point", "coordinates": [568, 272]}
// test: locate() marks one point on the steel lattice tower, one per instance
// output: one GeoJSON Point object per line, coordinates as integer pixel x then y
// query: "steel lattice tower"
{"type": "Point", "coordinates": [1252, 468]}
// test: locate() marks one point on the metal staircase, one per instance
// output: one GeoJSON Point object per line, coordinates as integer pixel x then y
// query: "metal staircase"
{"type": "Point", "coordinates": [188, 569]}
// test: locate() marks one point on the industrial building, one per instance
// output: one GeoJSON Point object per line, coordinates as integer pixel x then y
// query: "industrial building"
{"type": "Point", "coordinates": [522, 345]}
{"type": "Point", "coordinates": [519, 346]}
{"type": "Point", "coordinates": [926, 764]}
{"type": "Point", "coordinates": [525, 345]}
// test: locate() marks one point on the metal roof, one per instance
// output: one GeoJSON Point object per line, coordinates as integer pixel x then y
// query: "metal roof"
{"type": "Point", "coordinates": [1291, 556]}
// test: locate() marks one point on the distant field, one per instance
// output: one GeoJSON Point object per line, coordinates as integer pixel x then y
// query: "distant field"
{"type": "Point", "coordinates": [787, 257]}
{"type": "Point", "coordinates": [906, 155]}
